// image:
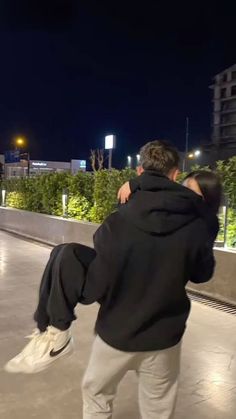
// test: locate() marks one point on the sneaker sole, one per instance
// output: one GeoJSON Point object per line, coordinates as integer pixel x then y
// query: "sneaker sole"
{"type": "Point", "coordinates": [67, 352]}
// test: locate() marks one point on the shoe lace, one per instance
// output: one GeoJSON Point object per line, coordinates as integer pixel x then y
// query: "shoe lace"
{"type": "Point", "coordinates": [42, 335]}
{"type": "Point", "coordinates": [34, 334]}
{"type": "Point", "coordinates": [37, 339]}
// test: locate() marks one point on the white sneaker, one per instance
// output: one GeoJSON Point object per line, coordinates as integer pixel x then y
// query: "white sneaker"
{"type": "Point", "coordinates": [43, 349]}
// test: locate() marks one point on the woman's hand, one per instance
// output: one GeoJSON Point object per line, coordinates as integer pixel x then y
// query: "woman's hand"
{"type": "Point", "coordinates": [124, 193]}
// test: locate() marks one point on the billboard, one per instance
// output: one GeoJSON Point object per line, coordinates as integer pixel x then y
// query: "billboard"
{"type": "Point", "coordinates": [12, 156]}
{"type": "Point", "coordinates": [110, 142]}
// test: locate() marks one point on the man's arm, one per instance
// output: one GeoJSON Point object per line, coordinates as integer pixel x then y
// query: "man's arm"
{"type": "Point", "coordinates": [127, 189]}
{"type": "Point", "coordinates": [134, 184]}
{"type": "Point", "coordinates": [203, 264]}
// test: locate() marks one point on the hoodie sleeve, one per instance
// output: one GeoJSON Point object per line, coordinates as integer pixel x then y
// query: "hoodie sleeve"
{"type": "Point", "coordinates": [203, 262]}
{"type": "Point", "coordinates": [102, 268]}
{"type": "Point", "coordinates": [134, 184]}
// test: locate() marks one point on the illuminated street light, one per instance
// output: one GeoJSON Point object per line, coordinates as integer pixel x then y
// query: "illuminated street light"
{"type": "Point", "coordinates": [129, 160]}
{"type": "Point", "coordinates": [138, 159]}
{"type": "Point", "coordinates": [194, 154]}
{"type": "Point", "coordinates": [20, 142]}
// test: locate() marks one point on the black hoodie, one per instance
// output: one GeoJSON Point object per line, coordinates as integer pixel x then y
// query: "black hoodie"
{"type": "Point", "coordinates": [146, 253]}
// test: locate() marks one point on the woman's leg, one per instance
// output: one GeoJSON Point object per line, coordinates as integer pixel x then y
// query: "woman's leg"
{"type": "Point", "coordinates": [62, 285]}
{"type": "Point", "coordinates": [60, 291]}
{"type": "Point", "coordinates": [41, 316]}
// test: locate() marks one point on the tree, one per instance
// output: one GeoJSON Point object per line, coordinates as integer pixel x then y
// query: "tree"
{"type": "Point", "coordinates": [100, 159]}
{"type": "Point", "coordinates": [97, 159]}
{"type": "Point", "coordinates": [93, 159]}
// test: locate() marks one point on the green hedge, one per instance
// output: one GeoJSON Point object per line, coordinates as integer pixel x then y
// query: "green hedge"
{"type": "Point", "coordinates": [231, 228]}
{"type": "Point", "coordinates": [93, 196]}
{"type": "Point", "coordinates": [106, 185]}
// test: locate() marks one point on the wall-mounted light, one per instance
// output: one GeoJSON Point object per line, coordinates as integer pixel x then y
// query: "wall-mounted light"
{"type": "Point", "coordinates": [65, 203]}
{"type": "Point", "coordinates": [225, 220]}
{"type": "Point", "coordinates": [3, 204]}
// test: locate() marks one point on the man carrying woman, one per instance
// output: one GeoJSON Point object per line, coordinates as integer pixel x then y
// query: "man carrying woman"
{"type": "Point", "coordinates": [144, 255]}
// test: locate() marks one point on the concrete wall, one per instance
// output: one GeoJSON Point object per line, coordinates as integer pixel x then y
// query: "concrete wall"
{"type": "Point", "coordinates": [55, 230]}
{"type": "Point", "coordinates": [46, 228]}
{"type": "Point", "coordinates": [223, 285]}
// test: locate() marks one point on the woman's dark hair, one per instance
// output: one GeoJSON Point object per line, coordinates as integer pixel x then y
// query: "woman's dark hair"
{"type": "Point", "coordinates": [210, 186]}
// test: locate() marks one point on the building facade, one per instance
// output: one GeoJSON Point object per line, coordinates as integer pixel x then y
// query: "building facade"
{"type": "Point", "coordinates": [38, 167]}
{"type": "Point", "coordinates": [2, 161]}
{"type": "Point", "coordinates": [224, 113]}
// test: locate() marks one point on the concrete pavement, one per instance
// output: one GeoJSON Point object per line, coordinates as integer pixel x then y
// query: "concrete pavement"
{"type": "Point", "coordinates": [208, 377]}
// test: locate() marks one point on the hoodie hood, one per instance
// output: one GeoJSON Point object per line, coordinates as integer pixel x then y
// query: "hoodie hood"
{"type": "Point", "coordinates": [161, 206]}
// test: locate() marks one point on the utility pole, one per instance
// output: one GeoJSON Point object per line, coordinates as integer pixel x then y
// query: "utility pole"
{"type": "Point", "coordinates": [110, 159]}
{"type": "Point", "coordinates": [186, 143]}
{"type": "Point", "coordinates": [28, 164]}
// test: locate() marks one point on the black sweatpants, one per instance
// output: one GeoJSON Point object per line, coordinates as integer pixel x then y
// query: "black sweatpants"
{"type": "Point", "coordinates": [62, 284]}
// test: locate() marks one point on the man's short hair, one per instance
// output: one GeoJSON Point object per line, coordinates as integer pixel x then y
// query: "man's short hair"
{"type": "Point", "coordinates": [160, 156]}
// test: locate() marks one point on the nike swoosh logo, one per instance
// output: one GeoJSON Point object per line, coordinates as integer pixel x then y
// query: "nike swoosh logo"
{"type": "Point", "coordinates": [56, 353]}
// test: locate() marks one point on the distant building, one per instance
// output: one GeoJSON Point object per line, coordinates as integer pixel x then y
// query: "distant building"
{"type": "Point", "coordinates": [224, 114]}
{"type": "Point", "coordinates": [2, 161]}
{"type": "Point", "coordinates": [38, 167]}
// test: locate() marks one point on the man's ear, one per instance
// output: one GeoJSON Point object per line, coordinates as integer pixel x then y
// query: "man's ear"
{"type": "Point", "coordinates": [139, 170]}
{"type": "Point", "coordinates": [173, 174]}
{"type": "Point", "coordinates": [176, 174]}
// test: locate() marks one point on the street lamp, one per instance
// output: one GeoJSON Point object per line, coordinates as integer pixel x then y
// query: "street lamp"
{"type": "Point", "coordinates": [186, 143]}
{"type": "Point", "coordinates": [20, 142]}
{"type": "Point", "coordinates": [194, 154]}
{"type": "Point", "coordinates": [225, 218]}
{"type": "Point", "coordinates": [3, 197]}
{"type": "Point", "coordinates": [197, 153]}
{"type": "Point", "coordinates": [110, 143]}
{"type": "Point", "coordinates": [65, 203]}
{"type": "Point", "coordinates": [138, 159]}
{"type": "Point", "coordinates": [129, 161]}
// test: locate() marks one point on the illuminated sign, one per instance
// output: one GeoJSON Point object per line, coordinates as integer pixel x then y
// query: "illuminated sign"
{"type": "Point", "coordinates": [39, 164]}
{"type": "Point", "coordinates": [110, 142]}
{"type": "Point", "coordinates": [82, 164]}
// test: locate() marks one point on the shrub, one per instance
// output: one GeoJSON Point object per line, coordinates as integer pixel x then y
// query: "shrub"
{"type": "Point", "coordinates": [227, 172]}
{"type": "Point", "coordinates": [231, 228]}
{"type": "Point", "coordinates": [78, 207]}
{"type": "Point", "coordinates": [82, 183]}
{"type": "Point", "coordinates": [93, 196]}
{"type": "Point", "coordinates": [106, 185]}
{"type": "Point", "coordinates": [16, 200]}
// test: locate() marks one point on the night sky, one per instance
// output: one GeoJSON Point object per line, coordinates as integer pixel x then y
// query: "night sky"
{"type": "Point", "coordinates": [73, 71]}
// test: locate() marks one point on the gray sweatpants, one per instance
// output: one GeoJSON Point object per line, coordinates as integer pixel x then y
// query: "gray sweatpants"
{"type": "Point", "coordinates": [157, 372]}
